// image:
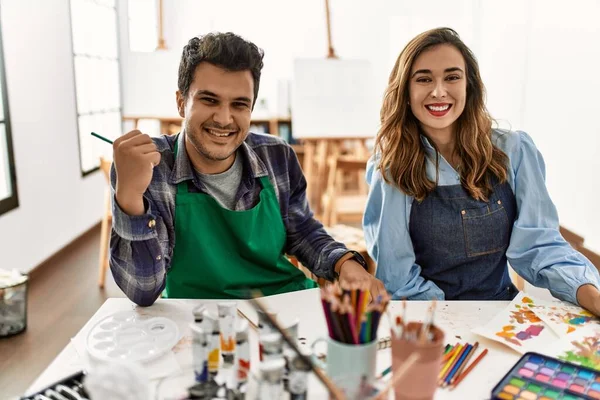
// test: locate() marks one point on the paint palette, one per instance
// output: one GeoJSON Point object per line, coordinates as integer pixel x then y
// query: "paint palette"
{"type": "Point", "coordinates": [539, 377]}
{"type": "Point", "coordinates": [126, 335]}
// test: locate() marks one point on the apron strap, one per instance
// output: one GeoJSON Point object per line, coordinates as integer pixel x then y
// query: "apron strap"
{"type": "Point", "coordinates": [182, 187]}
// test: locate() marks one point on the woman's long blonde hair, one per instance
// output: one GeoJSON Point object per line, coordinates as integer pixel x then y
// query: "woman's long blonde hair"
{"type": "Point", "coordinates": [403, 158]}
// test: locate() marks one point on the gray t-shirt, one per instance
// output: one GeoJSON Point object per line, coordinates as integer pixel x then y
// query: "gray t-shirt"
{"type": "Point", "coordinates": [224, 186]}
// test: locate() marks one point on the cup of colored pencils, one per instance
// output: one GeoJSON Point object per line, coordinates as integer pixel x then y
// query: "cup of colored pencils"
{"type": "Point", "coordinates": [426, 340]}
{"type": "Point", "coordinates": [352, 323]}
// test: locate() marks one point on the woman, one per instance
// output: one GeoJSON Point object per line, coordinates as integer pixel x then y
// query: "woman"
{"type": "Point", "coordinates": [458, 198]}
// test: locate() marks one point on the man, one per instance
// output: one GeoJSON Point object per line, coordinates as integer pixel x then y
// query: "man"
{"type": "Point", "coordinates": [212, 211]}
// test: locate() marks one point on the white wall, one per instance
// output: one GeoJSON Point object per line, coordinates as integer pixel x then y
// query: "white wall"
{"type": "Point", "coordinates": [56, 203]}
{"type": "Point", "coordinates": [539, 60]}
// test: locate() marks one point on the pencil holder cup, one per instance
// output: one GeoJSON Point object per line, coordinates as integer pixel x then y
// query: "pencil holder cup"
{"type": "Point", "coordinates": [420, 381]}
{"type": "Point", "coordinates": [351, 366]}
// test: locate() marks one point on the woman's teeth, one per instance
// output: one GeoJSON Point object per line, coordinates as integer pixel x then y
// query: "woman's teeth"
{"type": "Point", "coordinates": [439, 108]}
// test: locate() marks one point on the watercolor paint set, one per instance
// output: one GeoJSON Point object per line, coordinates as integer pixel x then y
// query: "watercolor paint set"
{"type": "Point", "coordinates": [539, 377]}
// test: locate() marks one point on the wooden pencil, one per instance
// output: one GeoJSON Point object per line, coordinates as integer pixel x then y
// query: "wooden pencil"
{"type": "Point", "coordinates": [469, 369]}
{"type": "Point", "coordinates": [464, 364]}
{"type": "Point", "coordinates": [461, 359]}
{"type": "Point", "coordinates": [449, 353]}
{"type": "Point", "coordinates": [450, 363]}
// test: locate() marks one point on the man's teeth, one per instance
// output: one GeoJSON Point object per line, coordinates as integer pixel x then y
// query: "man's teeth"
{"type": "Point", "coordinates": [439, 108]}
{"type": "Point", "coordinates": [219, 134]}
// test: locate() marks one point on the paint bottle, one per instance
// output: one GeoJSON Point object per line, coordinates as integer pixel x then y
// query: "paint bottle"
{"type": "Point", "coordinates": [198, 313]}
{"type": "Point", "coordinates": [271, 379]}
{"type": "Point", "coordinates": [211, 324]}
{"type": "Point", "coordinates": [227, 317]}
{"type": "Point", "coordinates": [242, 351]}
{"type": "Point", "coordinates": [264, 327]}
{"type": "Point", "coordinates": [272, 344]}
{"type": "Point", "coordinates": [298, 375]}
{"type": "Point", "coordinates": [200, 353]}
{"type": "Point", "coordinates": [292, 332]}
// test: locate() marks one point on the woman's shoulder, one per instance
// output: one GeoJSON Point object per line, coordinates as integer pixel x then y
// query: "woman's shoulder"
{"type": "Point", "coordinates": [378, 185]}
{"type": "Point", "coordinates": [512, 143]}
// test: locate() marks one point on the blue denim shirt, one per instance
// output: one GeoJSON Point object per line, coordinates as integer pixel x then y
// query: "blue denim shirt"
{"type": "Point", "coordinates": [141, 247]}
{"type": "Point", "coordinates": [536, 251]}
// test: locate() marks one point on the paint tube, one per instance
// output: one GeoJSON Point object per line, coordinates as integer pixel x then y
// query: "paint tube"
{"type": "Point", "coordinates": [298, 375]}
{"type": "Point", "coordinates": [288, 352]}
{"type": "Point", "coordinates": [210, 324]}
{"type": "Point", "coordinates": [227, 317]}
{"type": "Point", "coordinates": [242, 351]}
{"type": "Point", "coordinates": [200, 353]}
{"type": "Point", "coordinates": [264, 328]}
{"type": "Point", "coordinates": [271, 384]}
{"type": "Point", "coordinates": [272, 345]}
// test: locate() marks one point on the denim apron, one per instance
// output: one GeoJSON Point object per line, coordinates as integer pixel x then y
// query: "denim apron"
{"type": "Point", "coordinates": [460, 243]}
{"type": "Point", "coordinates": [221, 253]}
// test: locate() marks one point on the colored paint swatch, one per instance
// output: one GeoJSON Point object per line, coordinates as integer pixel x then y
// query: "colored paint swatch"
{"type": "Point", "coordinates": [538, 377]}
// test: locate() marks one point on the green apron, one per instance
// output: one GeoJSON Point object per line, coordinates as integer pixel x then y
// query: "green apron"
{"type": "Point", "coordinates": [220, 253]}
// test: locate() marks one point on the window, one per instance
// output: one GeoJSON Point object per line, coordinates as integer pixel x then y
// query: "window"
{"type": "Point", "coordinates": [97, 77]}
{"type": "Point", "coordinates": [8, 178]}
{"type": "Point", "coordinates": [143, 25]}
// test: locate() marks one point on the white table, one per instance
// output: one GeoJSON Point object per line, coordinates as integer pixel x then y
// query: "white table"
{"type": "Point", "coordinates": [455, 318]}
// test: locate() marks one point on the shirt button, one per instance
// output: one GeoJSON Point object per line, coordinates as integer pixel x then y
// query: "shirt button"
{"type": "Point", "coordinates": [499, 201]}
{"type": "Point", "coordinates": [463, 212]}
{"type": "Point", "coordinates": [151, 223]}
{"type": "Point", "coordinates": [159, 257]}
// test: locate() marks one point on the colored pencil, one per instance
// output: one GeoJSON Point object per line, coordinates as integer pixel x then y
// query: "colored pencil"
{"type": "Point", "coordinates": [102, 138]}
{"type": "Point", "coordinates": [464, 364]}
{"type": "Point", "coordinates": [449, 354]}
{"type": "Point", "coordinates": [461, 359]}
{"type": "Point", "coordinates": [469, 369]}
{"type": "Point", "coordinates": [450, 362]}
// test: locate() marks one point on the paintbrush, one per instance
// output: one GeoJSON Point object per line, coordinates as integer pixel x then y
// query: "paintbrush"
{"type": "Point", "coordinates": [252, 324]}
{"type": "Point", "coordinates": [334, 391]}
{"type": "Point", "coordinates": [102, 137]}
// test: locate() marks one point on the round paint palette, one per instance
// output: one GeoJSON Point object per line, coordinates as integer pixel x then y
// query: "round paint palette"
{"type": "Point", "coordinates": [129, 336]}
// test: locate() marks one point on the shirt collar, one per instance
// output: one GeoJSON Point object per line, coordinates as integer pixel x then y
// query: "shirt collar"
{"type": "Point", "coordinates": [183, 170]}
{"type": "Point", "coordinates": [428, 147]}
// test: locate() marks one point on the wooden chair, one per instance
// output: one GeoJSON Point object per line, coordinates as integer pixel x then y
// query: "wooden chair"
{"type": "Point", "coordinates": [315, 163]}
{"type": "Point", "coordinates": [339, 205]}
{"type": "Point", "coordinates": [106, 224]}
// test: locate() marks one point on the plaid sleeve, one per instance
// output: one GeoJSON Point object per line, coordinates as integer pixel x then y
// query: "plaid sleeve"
{"type": "Point", "coordinates": [137, 259]}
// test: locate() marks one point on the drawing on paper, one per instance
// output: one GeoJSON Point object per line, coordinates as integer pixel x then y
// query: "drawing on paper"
{"type": "Point", "coordinates": [563, 318]}
{"type": "Point", "coordinates": [519, 327]}
{"type": "Point", "coordinates": [581, 347]}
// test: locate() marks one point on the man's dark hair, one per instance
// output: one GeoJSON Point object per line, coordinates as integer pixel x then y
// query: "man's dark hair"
{"type": "Point", "coordinates": [225, 50]}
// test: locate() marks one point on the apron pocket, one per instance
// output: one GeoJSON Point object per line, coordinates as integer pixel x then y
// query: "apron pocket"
{"type": "Point", "coordinates": [485, 229]}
